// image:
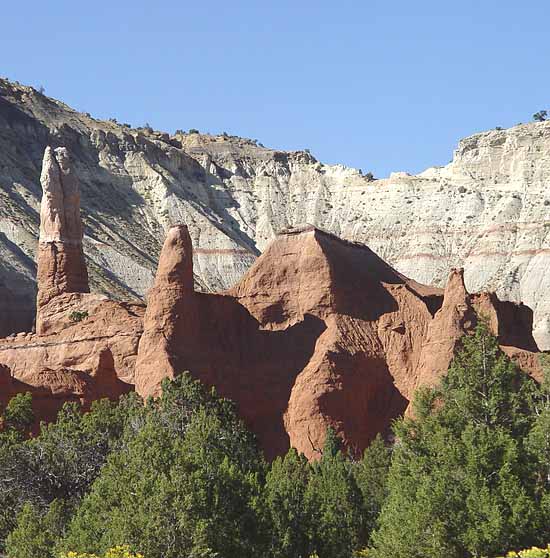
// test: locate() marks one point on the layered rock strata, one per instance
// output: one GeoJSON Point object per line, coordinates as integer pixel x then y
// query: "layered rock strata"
{"type": "Point", "coordinates": [319, 332]}
{"type": "Point", "coordinates": [487, 211]}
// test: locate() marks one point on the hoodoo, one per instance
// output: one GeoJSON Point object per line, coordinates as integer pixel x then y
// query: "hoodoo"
{"type": "Point", "coordinates": [170, 301]}
{"type": "Point", "coordinates": [61, 264]}
{"type": "Point", "coordinates": [85, 345]}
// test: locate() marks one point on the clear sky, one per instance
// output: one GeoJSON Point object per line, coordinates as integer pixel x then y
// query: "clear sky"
{"type": "Point", "coordinates": [379, 85]}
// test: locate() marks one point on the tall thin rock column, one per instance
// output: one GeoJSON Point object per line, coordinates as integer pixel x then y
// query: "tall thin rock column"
{"type": "Point", "coordinates": [170, 317]}
{"type": "Point", "coordinates": [61, 263]}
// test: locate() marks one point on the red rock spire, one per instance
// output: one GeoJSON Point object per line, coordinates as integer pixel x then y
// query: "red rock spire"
{"type": "Point", "coordinates": [61, 264]}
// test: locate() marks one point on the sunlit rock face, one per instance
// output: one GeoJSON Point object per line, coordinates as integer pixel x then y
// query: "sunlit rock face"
{"type": "Point", "coordinates": [487, 211]}
{"type": "Point", "coordinates": [61, 265]}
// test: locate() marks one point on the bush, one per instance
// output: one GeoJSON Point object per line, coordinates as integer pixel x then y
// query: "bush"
{"type": "Point", "coordinates": [369, 176]}
{"type": "Point", "coordinates": [533, 552]}
{"type": "Point", "coordinates": [123, 551]}
{"type": "Point", "coordinates": [19, 415]}
{"type": "Point", "coordinates": [540, 116]}
{"type": "Point", "coordinates": [78, 316]}
{"type": "Point", "coordinates": [36, 533]}
{"type": "Point", "coordinates": [193, 131]}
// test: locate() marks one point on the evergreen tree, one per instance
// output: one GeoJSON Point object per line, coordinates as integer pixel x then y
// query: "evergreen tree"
{"type": "Point", "coordinates": [19, 415]}
{"type": "Point", "coordinates": [332, 445]}
{"type": "Point", "coordinates": [460, 482]}
{"type": "Point", "coordinates": [61, 462]}
{"type": "Point", "coordinates": [15, 423]}
{"type": "Point", "coordinates": [371, 474]}
{"type": "Point", "coordinates": [36, 533]}
{"type": "Point", "coordinates": [538, 445]}
{"type": "Point", "coordinates": [284, 497]}
{"type": "Point", "coordinates": [185, 484]}
{"type": "Point", "coordinates": [334, 503]}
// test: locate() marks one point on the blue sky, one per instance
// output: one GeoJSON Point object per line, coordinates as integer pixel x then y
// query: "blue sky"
{"type": "Point", "coordinates": [377, 85]}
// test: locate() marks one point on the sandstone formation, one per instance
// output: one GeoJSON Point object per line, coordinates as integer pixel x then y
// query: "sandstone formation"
{"type": "Point", "coordinates": [85, 345]}
{"type": "Point", "coordinates": [168, 318]}
{"type": "Point", "coordinates": [320, 332]}
{"type": "Point", "coordinates": [487, 211]}
{"type": "Point", "coordinates": [61, 265]}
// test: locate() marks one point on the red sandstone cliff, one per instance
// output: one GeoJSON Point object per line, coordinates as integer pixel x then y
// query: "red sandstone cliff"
{"type": "Point", "coordinates": [320, 331]}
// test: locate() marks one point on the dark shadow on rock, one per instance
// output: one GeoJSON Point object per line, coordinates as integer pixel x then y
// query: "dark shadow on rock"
{"type": "Point", "coordinates": [221, 344]}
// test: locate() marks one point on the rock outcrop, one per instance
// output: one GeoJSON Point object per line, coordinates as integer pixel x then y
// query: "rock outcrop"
{"type": "Point", "coordinates": [61, 265]}
{"type": "Point", "coordinates": [85, 345]}
{"type": "Point", "coordinates": [320, 332]}
{"type": "Point", "coordinates": [487, 211]}
{"type": "Point", "coordinates": [169, 316]}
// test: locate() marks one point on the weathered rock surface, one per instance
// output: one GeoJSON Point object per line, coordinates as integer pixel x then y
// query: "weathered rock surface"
{"type": "Point", "coordinates": [487, 211]}
{"type": "Point", "coordinates": [61, 265]}
{"type": "Point", "coordinates": [85, 346]}
{"type": "Point", "coordinates": [320, 332]}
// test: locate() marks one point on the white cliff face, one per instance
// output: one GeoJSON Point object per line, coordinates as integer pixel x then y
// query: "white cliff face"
{"type": "Point", "coordinates": [488, 210]}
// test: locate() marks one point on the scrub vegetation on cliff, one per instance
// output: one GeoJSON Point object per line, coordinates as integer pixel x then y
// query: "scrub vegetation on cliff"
{"type": "Point", "coordinates": [468, 475]}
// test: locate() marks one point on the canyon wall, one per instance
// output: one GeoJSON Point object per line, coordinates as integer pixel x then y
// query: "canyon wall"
{"type": "Point", "coordinates": [487, 211]}
{"type": "Point", "coordinates": [320, 331]}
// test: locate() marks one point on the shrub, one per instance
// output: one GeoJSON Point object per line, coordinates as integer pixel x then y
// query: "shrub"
{"type": "Point", "coordinates": [193, 131]}
{"type": "Point", "coordinates": [122, 551]}
{"type": "Point", "coordinates": [19, 414]}
{"type": "Point", "coordinates": [78, 316]}
{"type": "Point", "coordinates": [533, 552]}
{"type": "Point", "coordinates": [540, 116]}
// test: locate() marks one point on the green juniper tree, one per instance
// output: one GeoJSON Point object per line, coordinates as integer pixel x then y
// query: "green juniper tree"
{"type": "Point", "coordinates": [371, 475]}
{"type": "Point", "coordinates": [185, 485]}
{"type": "Point", "coordinates": [37, 531]}
{"type": "Point", "coordinates": [284, 497]}
{"type": "Point", "coordinates": [461, 479]}
{"type": "Point", "coordinates": [15, 421]}
{"type": "Point", "coordinates": [55, 468]}
{"type": "Point", "coordinates": [334, 503]}
{"type": "Point", "coordinates": [538, 446]}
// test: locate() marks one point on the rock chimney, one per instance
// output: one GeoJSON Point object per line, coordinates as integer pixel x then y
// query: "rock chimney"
{"type": "Point", "coordinates": [61, 264]}
{"type": "Point", "coordinates": [170, 313]}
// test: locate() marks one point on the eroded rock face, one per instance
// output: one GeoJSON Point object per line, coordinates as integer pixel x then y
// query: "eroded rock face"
{"type": "Point", "coordinates": [85, 345]}
{"type": "Point", "coordinates": [61, 264]}
{"type": "Point", "coordinates": [459, 314]}
{"type": "Point", "coordinates": [320, 332]}
{"type": "Point", "coordinates": [487, 211]}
